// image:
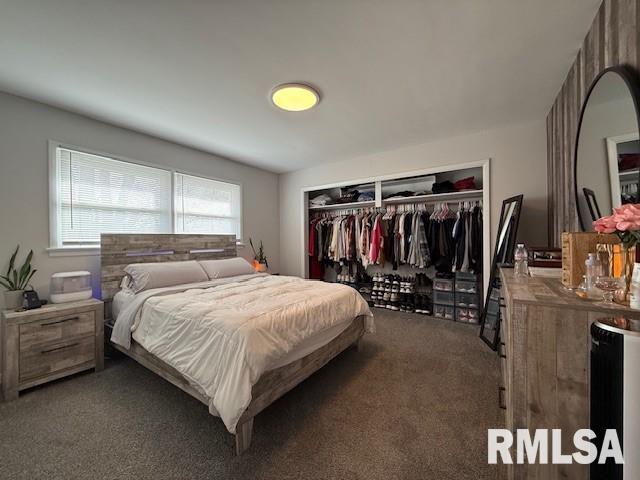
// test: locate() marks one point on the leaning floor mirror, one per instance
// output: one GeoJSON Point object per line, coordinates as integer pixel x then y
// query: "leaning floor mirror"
{"type": "Point", "coordinates": [502, 256]}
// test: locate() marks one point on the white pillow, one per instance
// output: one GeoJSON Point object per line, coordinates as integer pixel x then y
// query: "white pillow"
{"type": "Point", "coordinates": [228, 267]}
{"type": "Point", "coordinates": [145, 276]}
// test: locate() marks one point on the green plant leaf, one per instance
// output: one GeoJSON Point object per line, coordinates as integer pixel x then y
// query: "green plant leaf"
{"type": "Point", "coordinates": [26, 266]}
{"type": "Point", "coordinates": [26, 282]}
{"type": "Point", "coordinates": [4, 283]}
{"type": "Point", "coordinates": [13, 260]}
{"type": "Point", "coordinates": [15, 277]}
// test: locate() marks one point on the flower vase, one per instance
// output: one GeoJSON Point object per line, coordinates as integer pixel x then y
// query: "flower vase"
{"type": "Point", "coordinates": [629, 259]}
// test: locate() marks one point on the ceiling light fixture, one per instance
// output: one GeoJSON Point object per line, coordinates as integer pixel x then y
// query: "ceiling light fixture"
{"type": "Point", "coordinates": [294, 97]}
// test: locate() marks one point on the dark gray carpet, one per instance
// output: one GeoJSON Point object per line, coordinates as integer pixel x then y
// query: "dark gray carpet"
{"type": "Point", "coordinates": [414, 404]}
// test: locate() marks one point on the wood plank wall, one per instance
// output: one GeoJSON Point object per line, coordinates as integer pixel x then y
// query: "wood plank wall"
{"type": "Point", "coordinates": [612, 40]}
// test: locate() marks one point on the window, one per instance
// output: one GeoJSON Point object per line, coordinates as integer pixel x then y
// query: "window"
{"type": "Point", "coordinates": [206, 206]}
{"type": "Point", "coordinates": [94, 194]}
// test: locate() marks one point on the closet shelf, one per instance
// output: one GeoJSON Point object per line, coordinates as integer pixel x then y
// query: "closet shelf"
{"type": "Point", "coordinates": [340, 206]}
{"type": "Point", "coordinates": [437, 197]}
{"type": "Point", "coordinates": [629, 173]}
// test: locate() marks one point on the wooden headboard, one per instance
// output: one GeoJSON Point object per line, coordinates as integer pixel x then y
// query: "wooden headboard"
{"type": "Point", "coordinates": [119, 250]}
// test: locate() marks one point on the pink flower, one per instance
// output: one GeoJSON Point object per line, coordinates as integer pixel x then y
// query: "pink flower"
{"type": "Point", "coordinates": [605, 225]}
{"type": "Point", "coordinates": [627, 217]}
{"type": "Point", "coordinates": [624, 219]}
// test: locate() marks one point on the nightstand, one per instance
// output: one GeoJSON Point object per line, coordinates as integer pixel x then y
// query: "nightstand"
{"type": "Point", "coordinates": [50, 342]}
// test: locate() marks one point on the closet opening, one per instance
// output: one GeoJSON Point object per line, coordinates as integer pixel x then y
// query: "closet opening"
{"type": "Point", "coordinates": [416, 242]}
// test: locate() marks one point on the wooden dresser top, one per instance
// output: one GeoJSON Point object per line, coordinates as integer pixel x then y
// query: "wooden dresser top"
{"type": "Point", "coordinates": [550, 292]}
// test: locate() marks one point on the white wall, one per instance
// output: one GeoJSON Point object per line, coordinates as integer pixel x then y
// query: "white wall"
{"type": "Point", "coordinates": [26, 127]}
{"type": "Point", "coordinates": [518, 165]}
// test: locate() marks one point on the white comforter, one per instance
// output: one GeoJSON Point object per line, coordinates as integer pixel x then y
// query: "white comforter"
{"type": "Point", "coordinates": [223, 334]}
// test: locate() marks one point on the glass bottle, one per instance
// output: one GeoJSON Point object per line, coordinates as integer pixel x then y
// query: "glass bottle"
{"type": "Point", "coordinates": [593, 268]}
{"type": "Point", "coordinates": [521, 267]}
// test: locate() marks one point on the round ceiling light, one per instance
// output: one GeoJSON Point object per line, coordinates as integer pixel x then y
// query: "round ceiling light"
{"type": "Point", "coordinates": [294, 97]}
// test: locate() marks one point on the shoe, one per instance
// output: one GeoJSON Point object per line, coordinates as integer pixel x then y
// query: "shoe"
{"type": "Point", "coordinates": [418, 303]}
{"type": "Point", "coordinates": [428, 307]}
{"type": "Point", "coordinates": [410, 303]}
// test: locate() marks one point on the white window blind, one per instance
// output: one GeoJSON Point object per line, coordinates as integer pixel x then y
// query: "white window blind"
{"type": "Point", "coordinates": [97, 194]}
{"type": "Point", "coordinates": [206, 206]}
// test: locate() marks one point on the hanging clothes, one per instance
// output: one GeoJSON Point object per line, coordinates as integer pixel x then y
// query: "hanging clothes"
{"type": "Point", "coordinates": [475, 260]}
{"type": "Point", "coordinates": [376, 240]}
{"type": "Point", "coordinates": [316, 269]}
{"type": "Point", "coordinates": [467, 237]}
{"type": "Point", "coordinates": [449, 240]}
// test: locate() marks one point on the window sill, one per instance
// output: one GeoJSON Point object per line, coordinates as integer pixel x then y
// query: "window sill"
{"type": "Point", "coordinates": [78, 251]}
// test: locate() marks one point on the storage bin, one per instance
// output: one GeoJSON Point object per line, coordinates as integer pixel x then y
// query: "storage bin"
{"type": "Point", "coordinates": [443, 284]}
{"type": "Point", "coordinates": [462, 315]}
{"type": "Point", "coordinates": [468, 277]}
{"type": "Point", "coordinates": [443, 298]}
{"type": "Point", "coordinates": [467, 315]}
{"type": "Point", "coordinates": [466, 286]}
{"type": "Point", "coordinates": [444, 311]}
{"type": "Point", "coordinates": [467, 300]}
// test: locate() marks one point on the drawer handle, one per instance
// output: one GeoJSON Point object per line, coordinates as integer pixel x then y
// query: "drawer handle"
{"type": "Point", "coordinates": [59, 321]}
{"type": "Point", "coordinates": [501, 402]}
{"type": "Point", "coordinates": [59, 348]}
{"type": "Point", "coordinates": [501, 352]}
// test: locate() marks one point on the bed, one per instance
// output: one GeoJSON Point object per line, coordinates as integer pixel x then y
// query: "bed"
{"type": "Point", "coordinates": [236, 343]}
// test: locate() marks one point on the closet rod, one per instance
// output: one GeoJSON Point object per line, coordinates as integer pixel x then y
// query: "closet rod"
{"type": "Point", "coordinates": [398, 207]}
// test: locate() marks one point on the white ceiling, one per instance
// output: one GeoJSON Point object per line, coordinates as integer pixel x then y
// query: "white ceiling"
{"type": "Point", "coordinates": [391, 73]}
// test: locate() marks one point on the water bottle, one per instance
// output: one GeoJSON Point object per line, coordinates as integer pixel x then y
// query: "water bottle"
{"type": "Point", "coordinates": [521, 267]}
{"type": "Point", "coordinates": [592, 268]}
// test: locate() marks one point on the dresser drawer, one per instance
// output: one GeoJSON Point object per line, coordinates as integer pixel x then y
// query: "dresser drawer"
{"type": "Point", "coordinates": [55, 330]}
{"type": "Point", "coordinates": [49, 359]}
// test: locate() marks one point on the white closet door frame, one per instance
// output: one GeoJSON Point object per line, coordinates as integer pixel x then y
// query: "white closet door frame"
{"type": "Point", "coordinates": [486, 203]}
{"type": "Point", "coordinates": [612, 155]}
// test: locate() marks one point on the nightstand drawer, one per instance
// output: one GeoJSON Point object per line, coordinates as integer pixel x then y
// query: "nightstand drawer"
{"type": "Point", "coordinates": [38, 362]}
{"type": "Point", "coordinates": [55, 330]}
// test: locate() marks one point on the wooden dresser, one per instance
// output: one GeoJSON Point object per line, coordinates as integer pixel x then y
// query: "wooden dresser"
{"type": "Point", "coordinates": [545, 350]}
{"type": "Point", "coordinates": [49, 343]}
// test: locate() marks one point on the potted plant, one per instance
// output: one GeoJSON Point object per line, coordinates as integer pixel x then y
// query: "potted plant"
{"type": "Point", "coordinates": [625, 223]}
{"type": "Point", "coordinates": [16, 280]}
{"type": "Point", "coordinates": [260, 263]}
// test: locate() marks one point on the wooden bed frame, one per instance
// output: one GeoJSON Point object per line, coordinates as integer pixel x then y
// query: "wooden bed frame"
{"type": "Point", "coordinates": [119, 250]}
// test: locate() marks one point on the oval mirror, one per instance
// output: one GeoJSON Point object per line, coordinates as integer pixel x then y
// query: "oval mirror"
{"type": "Point", "coordinates": [607, 156]}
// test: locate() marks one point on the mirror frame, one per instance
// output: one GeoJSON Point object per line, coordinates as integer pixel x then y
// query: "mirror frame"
{"type": "Point", "coordinates": [517, 199]}
{"type": "Point", "coordinates": [632, 81]}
